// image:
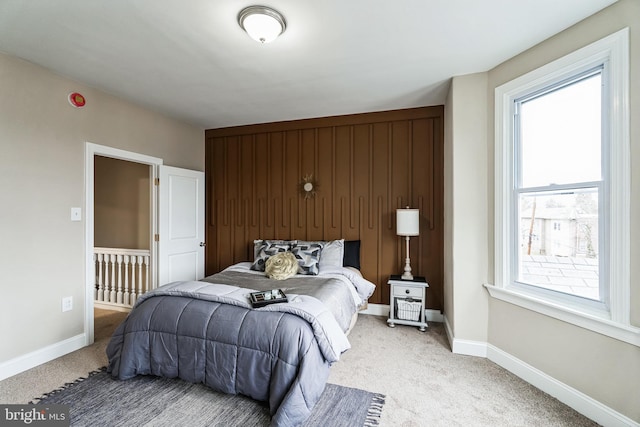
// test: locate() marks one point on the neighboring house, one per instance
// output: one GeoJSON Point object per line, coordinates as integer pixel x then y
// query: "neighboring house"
{"type": "Point", "coordinates": [42, 153]}
{"type": "Point", "coordinates": [564, 232]}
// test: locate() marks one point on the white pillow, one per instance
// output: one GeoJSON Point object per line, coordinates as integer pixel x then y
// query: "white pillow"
{"type": "Point", "coordinates": [332, 253]}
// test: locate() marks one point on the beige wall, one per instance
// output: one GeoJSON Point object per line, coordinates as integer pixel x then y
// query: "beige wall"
{"type": "Point", "coordinates": [42, 147]}
{"type": "Point", "coordinates": [600, 367]}
{"type": "Point", "coordinates": [448, 278]}
{"type": "Point", "coordinates": [466, 208]}
{"type": "Point", "coordinates": [603, 368]}
{"type": "Point", "coordinates": [122, 204]}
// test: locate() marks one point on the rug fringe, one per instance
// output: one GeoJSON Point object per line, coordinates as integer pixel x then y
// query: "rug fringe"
{"type": "Point", "coordinates": [375, 410]}
{"type": "Point", "coordinates": [66, 386]}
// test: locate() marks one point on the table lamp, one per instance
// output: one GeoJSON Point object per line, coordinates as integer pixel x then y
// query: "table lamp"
{"type": "Point", "coordinates": [407, 224]}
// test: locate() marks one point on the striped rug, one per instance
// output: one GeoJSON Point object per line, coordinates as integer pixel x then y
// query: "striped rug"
{"type": "Point", "coordinates": [99, 400]}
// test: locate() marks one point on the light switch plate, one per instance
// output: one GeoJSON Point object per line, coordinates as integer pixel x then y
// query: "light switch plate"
{"type": "Point", "coordinates": [76, 214]}
{"type": "Point", "coordinates": [67, 304]}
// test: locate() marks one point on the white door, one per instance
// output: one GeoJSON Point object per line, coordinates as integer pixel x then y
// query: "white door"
{"type": "Point", "coordinates": [181, 225]}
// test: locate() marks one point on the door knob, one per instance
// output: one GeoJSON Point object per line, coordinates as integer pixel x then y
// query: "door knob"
{"type": "Point", "coordinates": [203, 244]}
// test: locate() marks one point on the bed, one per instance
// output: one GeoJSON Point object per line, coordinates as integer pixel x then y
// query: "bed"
{"type": "Point", "coordinates": [208, 332]}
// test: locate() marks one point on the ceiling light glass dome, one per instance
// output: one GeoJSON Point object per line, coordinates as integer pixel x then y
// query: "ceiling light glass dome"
{"type": "Point", "coordinates": [262, 23]}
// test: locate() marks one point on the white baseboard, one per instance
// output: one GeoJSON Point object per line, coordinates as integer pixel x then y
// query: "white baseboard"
{"type": "Point", "coordinates": [383, 310]}
{"type": "Point", "coordinates": [466, 347]}
{"type": "Point", "coordinates": [571, 397]}
{"type": "Point", "coordinates": [579, 401]}
{"type": "Point", "coordinates": [38, 357]}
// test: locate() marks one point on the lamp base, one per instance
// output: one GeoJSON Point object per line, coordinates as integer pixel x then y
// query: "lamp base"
{"type": "Point", "coordinates": [407, 264]}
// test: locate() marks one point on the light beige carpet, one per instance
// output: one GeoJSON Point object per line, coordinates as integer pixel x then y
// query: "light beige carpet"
{"type": "Point", "coordinates": [424, 383]}
{"type": "Point", "coordinates": [427, 385]}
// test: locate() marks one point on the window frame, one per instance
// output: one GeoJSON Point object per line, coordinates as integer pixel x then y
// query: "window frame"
{"type": "Point", "coordinates": [613, 317]}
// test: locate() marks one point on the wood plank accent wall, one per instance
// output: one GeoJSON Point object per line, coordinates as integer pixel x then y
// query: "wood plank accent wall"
{"type": "Point", "coordinates": [366, 166]}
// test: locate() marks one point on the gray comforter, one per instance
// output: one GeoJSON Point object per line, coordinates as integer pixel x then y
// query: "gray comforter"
{"type": "Point", "coordinates": [333, 293]}
{"type": "Point", "coordinates": [207, 332]}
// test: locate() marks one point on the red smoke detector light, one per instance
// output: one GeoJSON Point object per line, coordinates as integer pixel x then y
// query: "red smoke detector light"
{"type": "Point", "coordinates": [77, 100]}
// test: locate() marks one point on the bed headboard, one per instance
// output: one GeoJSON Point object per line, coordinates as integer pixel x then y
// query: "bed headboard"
{"type": "Point", "coordinates": [351, 254]}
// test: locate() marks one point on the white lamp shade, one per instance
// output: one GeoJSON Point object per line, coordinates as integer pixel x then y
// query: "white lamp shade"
{"type": "Point", "coordinates": [408, 222]}
{"type": "Point", "coordinates": [261, 23]}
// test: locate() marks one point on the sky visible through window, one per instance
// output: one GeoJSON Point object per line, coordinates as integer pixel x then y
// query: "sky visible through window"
{"type": "Point", "coordinates": [560, 144]}
{"type": "Point", "coordinates": [561, 135]}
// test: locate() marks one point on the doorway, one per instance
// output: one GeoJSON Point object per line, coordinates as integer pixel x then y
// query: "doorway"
{"type": "Point", "coordinates": [122, 239]}
{"type": "Point", "coordinates": [116, 220]}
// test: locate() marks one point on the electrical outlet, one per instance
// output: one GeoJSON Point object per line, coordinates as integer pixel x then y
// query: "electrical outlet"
{"type": "Point", "coordinates": [67, 303]}
{"type": "Point", "coordinates": [76, 214]}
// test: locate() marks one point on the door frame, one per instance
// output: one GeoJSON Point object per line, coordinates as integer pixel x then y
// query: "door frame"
{"type": "Point", "coordinates": [92, 150]}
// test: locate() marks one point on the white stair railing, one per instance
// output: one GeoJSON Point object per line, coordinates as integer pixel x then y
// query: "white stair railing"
{"type": "Point", "coordinates": [122, 275]}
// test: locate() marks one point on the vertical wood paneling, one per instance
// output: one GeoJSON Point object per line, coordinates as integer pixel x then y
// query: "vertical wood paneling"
{"type": "Point", "coordinates": [366, 166]}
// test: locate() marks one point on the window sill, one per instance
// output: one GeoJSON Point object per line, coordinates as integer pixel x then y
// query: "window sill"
{"type": "Point", "coordinates": [626, 333]}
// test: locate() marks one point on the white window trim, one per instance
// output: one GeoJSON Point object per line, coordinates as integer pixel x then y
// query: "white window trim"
{"type": "Point", "coordinates": [616, 321]}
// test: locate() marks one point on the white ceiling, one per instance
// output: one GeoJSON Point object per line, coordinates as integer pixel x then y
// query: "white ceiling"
{"type": "Point", "coordinates": [190, 59]}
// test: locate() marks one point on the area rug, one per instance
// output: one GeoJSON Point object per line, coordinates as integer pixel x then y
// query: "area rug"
{"type": "Point", "coordinates": [100, 400]}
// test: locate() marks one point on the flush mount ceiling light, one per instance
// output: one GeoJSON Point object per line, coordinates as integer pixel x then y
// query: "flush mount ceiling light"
{"type": "Point", "coordinates": [262, 23]}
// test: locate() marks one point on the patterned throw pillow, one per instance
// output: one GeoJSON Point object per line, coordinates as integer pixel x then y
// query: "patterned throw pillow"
{"type": "Point", "coordinates": [257, 244]}
{"type": "Point", "coordinates": [281, 266]}
{"type": "Point", "coordinates": [308, 256]}
{"type": "Point", "coordinates": [266, 250]}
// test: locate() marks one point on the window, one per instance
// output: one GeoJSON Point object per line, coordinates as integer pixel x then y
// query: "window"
{"type": "Point", "coordinates": [558, 179]}
{"type": "Point", "coordinates": [562, 189]}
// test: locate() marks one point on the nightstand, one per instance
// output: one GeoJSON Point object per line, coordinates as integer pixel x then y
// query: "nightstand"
{"type": "Point", "coordinates": [407, 302]}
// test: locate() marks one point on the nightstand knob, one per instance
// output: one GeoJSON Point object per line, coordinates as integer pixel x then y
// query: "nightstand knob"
{"type": "Point", "coordinates": [407, 291]}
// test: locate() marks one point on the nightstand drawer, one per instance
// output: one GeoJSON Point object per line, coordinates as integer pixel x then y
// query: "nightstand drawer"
{"type": "Point", "coordinates": [407, 291]}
